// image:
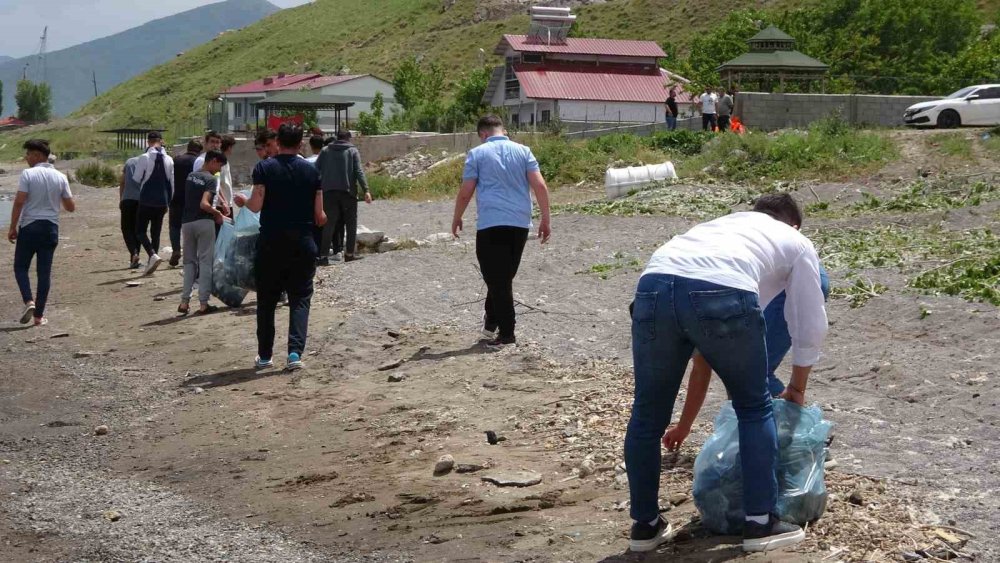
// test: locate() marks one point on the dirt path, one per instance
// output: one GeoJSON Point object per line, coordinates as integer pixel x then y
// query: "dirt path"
{"type": "Point", "coordinates": [208, 460]}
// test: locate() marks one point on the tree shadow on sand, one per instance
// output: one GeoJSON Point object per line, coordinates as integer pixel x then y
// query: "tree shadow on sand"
{"type": "Point", "coordinates": [692, 544]}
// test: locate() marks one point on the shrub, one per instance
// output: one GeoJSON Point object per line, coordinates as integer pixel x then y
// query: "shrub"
{"type": "Point", "coordinates": [98, 175]}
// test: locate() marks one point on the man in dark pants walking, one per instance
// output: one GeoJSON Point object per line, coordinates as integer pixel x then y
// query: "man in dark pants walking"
{"type": "Point", "coordinates": [339, 165]}
{"type": "Point", "coordinates": [34, 225]}
{"type": "Point", "coordinates": [128, 206]}
{"type": "Point", "coordinates": [502, 174]}
{"type": "Point", "coordinates": [155, 174]}
{"type": "Point", "coordinates": [183, 166]}
{"type": "Point", "coordinates": [287, 193]}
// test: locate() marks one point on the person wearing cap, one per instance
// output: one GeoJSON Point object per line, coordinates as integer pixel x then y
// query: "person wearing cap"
{"type": "Point", "coordinates": [154, 172]}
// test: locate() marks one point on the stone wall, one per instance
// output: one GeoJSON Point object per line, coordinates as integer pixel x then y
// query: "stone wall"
{"type": "Point", "coordinates": [768, 112]}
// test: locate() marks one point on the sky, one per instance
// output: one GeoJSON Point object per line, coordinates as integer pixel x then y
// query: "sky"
{"type": "Point", "coordinates": [72, 22]}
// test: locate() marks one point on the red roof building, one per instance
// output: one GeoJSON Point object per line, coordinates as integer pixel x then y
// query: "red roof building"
{"type": "Point", "coordinates": [547, 75]}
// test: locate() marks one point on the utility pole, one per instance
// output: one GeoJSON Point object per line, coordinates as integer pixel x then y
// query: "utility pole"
{"type": "Point", "coordinates": [95, 82]}
{"type": "Point", "coordinates": [42, 47]}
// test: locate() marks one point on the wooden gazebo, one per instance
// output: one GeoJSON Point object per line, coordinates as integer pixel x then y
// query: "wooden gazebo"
{"type": "Point", "coordinates": [303, 101]}
{"type": "Point", "coordinates": [773, 59]}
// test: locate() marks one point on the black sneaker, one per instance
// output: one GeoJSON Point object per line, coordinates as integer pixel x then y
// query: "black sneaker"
{"type": "Point", "coordinates": [648, 538]}
{"type": "Point", "coordinates": [501, 341]}
{"type": "Point", "coordinates": [489, 328]}
{"type": "Point", "coordinates": [175, 259]}
{"type": "Point", "coordinates": [324, 261]}
{"type": "Point", "coordinates": [773, 535]}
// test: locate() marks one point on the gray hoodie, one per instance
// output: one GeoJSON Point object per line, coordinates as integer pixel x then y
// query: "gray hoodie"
{"type": "Point", "coordinates": [340, 166]}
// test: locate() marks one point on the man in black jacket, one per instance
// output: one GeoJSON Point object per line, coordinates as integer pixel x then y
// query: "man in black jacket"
{"type": "Point", "coordinates": [340, 167]}
{"type": "Point", "coordinates": [183, 166]}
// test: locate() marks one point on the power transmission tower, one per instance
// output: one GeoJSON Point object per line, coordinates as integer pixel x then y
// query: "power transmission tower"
{"type": "Point", "coordinates": [42, 47]}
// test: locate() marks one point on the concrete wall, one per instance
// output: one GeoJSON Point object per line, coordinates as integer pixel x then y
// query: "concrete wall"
{"type": "Point", "coordinates": [767, 112]}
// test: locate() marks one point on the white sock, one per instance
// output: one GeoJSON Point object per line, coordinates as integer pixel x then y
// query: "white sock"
{"type": "Point", "coordinates": [759, 519]}
{"type": "Point", "coordinates": [654, 521]}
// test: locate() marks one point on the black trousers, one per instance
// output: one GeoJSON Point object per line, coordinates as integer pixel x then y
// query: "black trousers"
{"type": "Point", "coordinates": [499, 251]}
{"type": "Point", "coordinates": [130, 214]}
{"type": "Point", "coordinates": [724, 122]}
{"type": "Point", "coordinates": [341, 210]}
{"type": "Point", "coordinates": [150, 219]}
{"type": "Point", "coordinates": [176, 213]}
{"type": "Point", "coordinates": [708, 121]}
{"type": "Point", "coordinates": [286, 262]}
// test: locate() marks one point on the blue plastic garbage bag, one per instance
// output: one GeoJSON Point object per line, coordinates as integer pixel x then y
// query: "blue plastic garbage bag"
{"type": "Point", "coordinates": [718, 479]}
{"type": "Point", "coordinates": [224, 285]}
{"type": "Point", "coordinates": [247, 226]}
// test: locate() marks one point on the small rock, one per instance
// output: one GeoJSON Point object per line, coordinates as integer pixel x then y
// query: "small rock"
{"type": "Point", "coordinates": [587, 468]}
{"type": "Point", "coordinates": [397, 377]}
{"type": "Point", "coordinates": [198, 390]}
{"type": "Point", "coordinates": [678, 499]}
{"type": "Point", "coordinates": [910, 556]}
{"type": "Point", "coordinates": [133, 283]}
{"type": "Point", "coordinates": [101, 430]}
{"type": "Point", "coordinates": [60, 335]}
{"type": "Point", "coordinates": [493, 439]}
{"type": "Point", "coordinates": [394, 333]}
{"type": "Point", "coordinates": [438, 238]}
{"type": "Point", "coordinates": [857, 498]}
{"type": "Point", "coordinates": [82, 354]}
{"type": "Point", "coordinates": [368, 238]}
{"type": "Point", "coordinates": [5, 461]}
{"type": "Point", "coordinates": [388, 245]}
{"type": "Point", "coordinates": [469, 467]}
{"type": "Point", "coordinates": [513, 478]}
{"type": "Point", "coordinates": [159, 299]}
{"type": "Point", "coordinates": [113, 515]}
{"type": "Point", "coordinates": [444, 465]}
{"type": "Point", "coordinates": [570, 431]}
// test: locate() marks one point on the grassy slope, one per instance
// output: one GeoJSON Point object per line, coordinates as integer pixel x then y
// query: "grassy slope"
{"type": "Point", "coordinates": [364, 36]}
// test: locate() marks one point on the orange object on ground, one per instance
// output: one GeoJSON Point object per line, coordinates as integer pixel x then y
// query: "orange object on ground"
{"type": "Point", "coordinates": [736, 126]}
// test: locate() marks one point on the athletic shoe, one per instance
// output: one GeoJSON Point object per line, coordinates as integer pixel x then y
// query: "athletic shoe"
{"type": "Point", "coordinates": [260, 363]}
{"type": "Point", "coordinates": [134, 264]}
{"type": "Point", "coordinates": [336, 257]}
{"type": "Point", "coordinates": [489, 328]}
{"type": "Point", "coordinates": [175, 259]}
{"type": "Point", "coordinates": [773, 535]}
{"type": "Point", "coordinates": [152, 265]}
{"type": "Point", "coordinates": [648, 538]}
{"type": "Point", "coordinates": [351, 258]}
{"type": "Point", "coordinates": [294, 362]}
{"type": "Point", "coordinates": [41, 321]}
{"type": "Point", "coordinates": [324, 261]}
{"type": "Point", "coordinates": [501, 341]}
{"type": "Point", "coordinates": [29, 312]}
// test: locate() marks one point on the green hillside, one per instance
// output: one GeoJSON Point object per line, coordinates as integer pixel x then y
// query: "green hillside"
{"type": "Point", "coordinates": [372, 36]}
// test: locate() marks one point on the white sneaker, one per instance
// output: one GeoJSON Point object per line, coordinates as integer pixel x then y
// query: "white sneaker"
{"type": "Point", "coordinates": [152, 265]}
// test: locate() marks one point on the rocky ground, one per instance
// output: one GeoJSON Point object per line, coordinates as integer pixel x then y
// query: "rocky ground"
{"type": "Point", "coordinates": [206, 460]}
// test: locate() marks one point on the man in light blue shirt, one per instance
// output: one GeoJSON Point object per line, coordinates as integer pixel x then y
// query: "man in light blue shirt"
{"type": "Point", "coordinates": [502, 174]}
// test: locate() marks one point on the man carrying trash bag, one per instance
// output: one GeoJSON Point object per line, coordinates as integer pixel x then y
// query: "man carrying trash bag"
{"type": "Point", "coordinates": [705, 290]}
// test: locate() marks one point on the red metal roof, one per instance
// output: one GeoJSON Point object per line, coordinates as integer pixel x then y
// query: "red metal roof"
{"type": "Point", "coordinates": [582, 46]}
{"type": "Point", "coordinates": [608, 83]}
{"type": "Point", "coordinates": [11, 121]}
{"type": "Point", "coordinates": [321, 82]}
{"type": "Point", "coordinates": [282, 83]}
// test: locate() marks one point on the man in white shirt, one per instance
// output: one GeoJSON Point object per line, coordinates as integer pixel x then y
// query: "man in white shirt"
{"type": "Point", "coordinates": [706, 290]}
{"type": "Point", "coordinates": [709, 118]}
{"type": "Point", "coordinates": [34, 225]}
{"type": "Point", "coordinates": [316, 144]}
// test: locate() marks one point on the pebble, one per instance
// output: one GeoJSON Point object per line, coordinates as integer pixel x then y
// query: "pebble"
{"type": "Point", "coordinates": [513, 478]}
{"type": "Point", "coordinates": [81, 354]}
{"type": "Point", "coordinates": [857, 498]}
{"type": "Point", "coordinates": [390, 365]}
{"type": "Point", "coordinates": [133, 283]}
{"type": "Point", "coordinates": [469, 467]}
{"type": "Point", "coordinates": [678, 499]}
{"type": "Point", "coordinates": [587, 468]}
{"type": "Point", "coordinates": [101, 430]}
{"type": "Point", "coordinates": [444, 465]}
{"type": "Point", "coordinates": [113, 515]}
{"type": "Point", "coordinates": [198, 390]}
{"type": "Point", "coordinates": [397, 377]}
{"type": "Point", "coordinates": [159, 299]}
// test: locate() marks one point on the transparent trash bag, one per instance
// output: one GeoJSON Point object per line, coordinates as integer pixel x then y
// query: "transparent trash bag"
{"type": "Point", "coordinates": [718, 479]}
{"type": "Point", "coordinates": [247, 227]}
{"type": "Point", "coordinates": [224, 285]}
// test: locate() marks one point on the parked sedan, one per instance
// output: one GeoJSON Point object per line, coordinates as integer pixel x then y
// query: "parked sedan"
{"type": "Point", "coordinates": [975, 105]}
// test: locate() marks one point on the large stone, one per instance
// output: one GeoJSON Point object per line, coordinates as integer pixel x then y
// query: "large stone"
{"type": "Point", "coordinates": [439, 238]}
{"type": "Point", "coordinates": [368, 238]}
{"type": "Point", "coordinates": [513, 478]}
{"type": "Point", "coordinates": [444, 465]}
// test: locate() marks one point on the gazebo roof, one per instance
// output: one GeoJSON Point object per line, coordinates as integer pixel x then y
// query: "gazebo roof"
{"type": "Point", "coordinates": [304, 100]}
{"type": "Point", "coordinates": [771, 33]}
{"type": "Point", "coordinates": [775, 60]}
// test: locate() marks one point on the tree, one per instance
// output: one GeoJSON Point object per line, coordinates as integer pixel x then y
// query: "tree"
{"type": "Point", "coordinates": [34, 101]}
{"type": "Point", "coordinates": [408, 83]}
{"type": "Point", "coordinates": [468, 103]}
{"type": "Point", "coordinates": [374, 123]}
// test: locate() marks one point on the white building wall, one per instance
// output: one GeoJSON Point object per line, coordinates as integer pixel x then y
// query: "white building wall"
{"type": "Point", "coordinates": [570, 110]}
{"type": "Point", "coordinates": [364, 88]}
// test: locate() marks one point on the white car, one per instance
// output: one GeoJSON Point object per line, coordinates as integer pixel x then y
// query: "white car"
{"type": "Point", "coordinates": [975, 105]}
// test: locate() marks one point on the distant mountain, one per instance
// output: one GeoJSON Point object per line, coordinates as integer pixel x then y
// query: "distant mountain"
{"type": "Point", "coordinates": [5, 58]}
{"type": "Point", "coordinates": [122, 56]}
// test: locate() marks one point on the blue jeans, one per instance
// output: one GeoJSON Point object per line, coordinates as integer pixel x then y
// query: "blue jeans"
{"type": "Point", "coordinates": [671, 317]}
{"type": "Point", "coordinates": [671, 123]}
{"type": "Point", "coordinates": [36, 238]}
{"type": "Point", "coordinates": [779, 342]}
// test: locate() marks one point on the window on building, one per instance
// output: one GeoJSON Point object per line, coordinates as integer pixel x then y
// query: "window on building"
{"type": "Point", "coordinates": [238, 109]}
{"type": "Point", "coordinates": [533, 58]}
{"type": "Point", "coordinates": [515, 120]}
{"type": "Point", "coordinates": [546, 116]}
{"type": "Point", "coordinates": [512, 88]}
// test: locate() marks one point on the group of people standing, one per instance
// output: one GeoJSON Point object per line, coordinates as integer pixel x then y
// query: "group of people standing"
{"type": "Point", "coordinates": [735, 293]}
{"type": "Point", "coordinates": [716, 109]}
